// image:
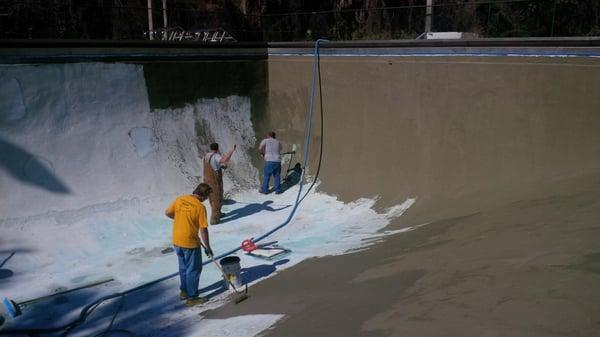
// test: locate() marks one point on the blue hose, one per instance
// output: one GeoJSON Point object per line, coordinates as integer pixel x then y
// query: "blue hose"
{"type": "Point", "coordinates": [306, 143]}
{"type": "Point", "coordinates": [87, 310]}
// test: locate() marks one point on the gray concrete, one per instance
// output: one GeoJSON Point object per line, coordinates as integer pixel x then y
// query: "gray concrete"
{"type": "Point", "coordinates": [503, 156]}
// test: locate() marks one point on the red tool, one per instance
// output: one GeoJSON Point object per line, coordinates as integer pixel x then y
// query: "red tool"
{"type": "Point", "coordinates": [248, 246]}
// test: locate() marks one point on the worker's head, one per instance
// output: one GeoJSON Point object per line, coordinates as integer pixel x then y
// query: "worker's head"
{"type": "Point", "coordinates": [202, 191]}
{"type": "Point", "coordinates": [272, 134]}
{"type": "Point", "coordinates": [214, 147]}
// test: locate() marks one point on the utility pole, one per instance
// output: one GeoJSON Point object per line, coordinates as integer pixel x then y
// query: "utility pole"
{"type": "Point", "coordinates": [428, 15]}
{"type": "Point", "coordinates": [164, 13]}
{"type": "Point", "coordinates": [150, 28]}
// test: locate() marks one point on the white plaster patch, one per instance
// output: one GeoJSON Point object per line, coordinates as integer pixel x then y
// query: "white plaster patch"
{"type": "Point", "coordinates": [247, 325]}
{"type": "Point", "coordinates": [12, 107]}
{"type": "Point", "coordinates": [144, 141]}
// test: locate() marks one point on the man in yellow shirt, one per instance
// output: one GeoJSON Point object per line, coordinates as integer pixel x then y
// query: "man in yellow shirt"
{"type": "Point", "coordinates": [189, 215]}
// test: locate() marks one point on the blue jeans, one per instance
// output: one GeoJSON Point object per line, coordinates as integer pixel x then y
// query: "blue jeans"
{"type": "Point", "coordinates": [271, 168]}
{"type": "Point", "coordinates": [190, 267]}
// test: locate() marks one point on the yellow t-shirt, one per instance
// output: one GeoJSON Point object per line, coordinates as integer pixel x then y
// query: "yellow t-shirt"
{"type": "Point", "coordinates": [190, 216]}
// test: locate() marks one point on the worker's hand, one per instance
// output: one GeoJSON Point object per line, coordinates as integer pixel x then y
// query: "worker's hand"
{"type": "Point", "coordinates": [208, 252]}
{"type": "Point", "coordinates": [234, 147]}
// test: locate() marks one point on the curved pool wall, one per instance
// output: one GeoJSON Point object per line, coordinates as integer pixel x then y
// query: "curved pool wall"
{"type": "Point", "coordinates": [443, 127]}
{"type": "Point", "coordinates": [73, 133]}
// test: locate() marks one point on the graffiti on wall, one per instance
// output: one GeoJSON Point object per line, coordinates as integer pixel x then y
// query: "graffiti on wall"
{"type": "Point", "coordinates": [215, 35]}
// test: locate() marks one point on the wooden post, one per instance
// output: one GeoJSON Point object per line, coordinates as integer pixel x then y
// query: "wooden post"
{"type": "Point", "coordinates": [164, 13]}
{"type": "Point", "coordinates": [150, 26]}
{"type": "Point", "coordinates": [428, 14]}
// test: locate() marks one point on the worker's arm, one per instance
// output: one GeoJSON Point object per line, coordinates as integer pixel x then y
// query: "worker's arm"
{"type": "Point", "coordinates": [206, 241]}
{"type": "Point", "coordinates": [261, 149]}
{"type": "Point", "coordinates": [170, 212]}
{"type": "Point", "coordinates": [228, 155]}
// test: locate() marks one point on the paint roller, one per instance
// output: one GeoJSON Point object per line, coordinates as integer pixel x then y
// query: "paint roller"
{"type": "Point", "coordinates": [13, 308]}
{"type": "Point", "coordinates": [292, 153]}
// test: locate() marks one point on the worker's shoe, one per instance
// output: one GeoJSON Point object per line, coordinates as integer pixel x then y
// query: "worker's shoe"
{"type": "Point", "coordinates": [195, 301]}
{"type": "Point", "coordinates": [183, 295]}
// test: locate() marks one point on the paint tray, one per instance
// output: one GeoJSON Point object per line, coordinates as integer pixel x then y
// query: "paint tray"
{"type": "Point", "coordinates": [269, 252]}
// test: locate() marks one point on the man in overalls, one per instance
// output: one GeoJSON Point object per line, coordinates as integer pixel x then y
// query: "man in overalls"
{"type": "Point", "coordinates": [214, 164]}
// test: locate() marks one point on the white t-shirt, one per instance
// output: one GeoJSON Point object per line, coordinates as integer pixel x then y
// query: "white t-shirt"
{"type": "Point", "coordinates": [214, 160]}
{"type": "Point", "coordinates": [272, 149]}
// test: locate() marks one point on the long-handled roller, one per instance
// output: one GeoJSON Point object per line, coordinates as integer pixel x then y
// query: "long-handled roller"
{"type": "Point", "coordinates": [292, 153]}
{"type": "Point", "coordinates": [240, 296]}
{"type": "Point", "coordinates": [13, 309]}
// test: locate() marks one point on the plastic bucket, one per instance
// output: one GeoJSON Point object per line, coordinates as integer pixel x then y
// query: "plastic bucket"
{"type": "Point", "coordinates": [232, 271]}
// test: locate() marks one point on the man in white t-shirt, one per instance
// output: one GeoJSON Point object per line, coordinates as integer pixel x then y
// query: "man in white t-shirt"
{"type": "Point", "coordinates": [270, 150]}
{"type": "Point", "coordinates": [214, 164]}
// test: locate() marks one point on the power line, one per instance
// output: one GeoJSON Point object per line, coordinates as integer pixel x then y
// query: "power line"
{"type": "Point", "coordinates": [334, 11]}
{"type": "Point", "coordinates": [202, 12]}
